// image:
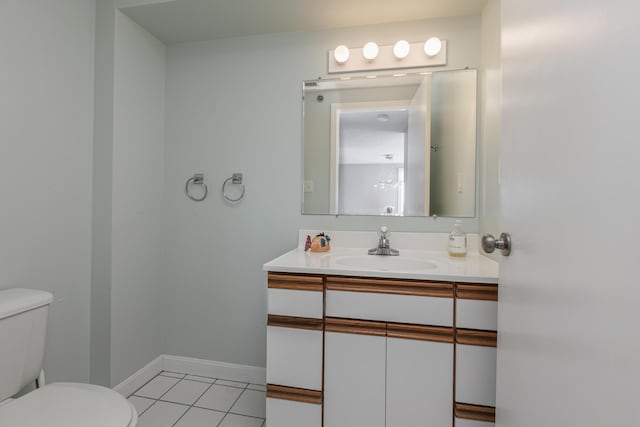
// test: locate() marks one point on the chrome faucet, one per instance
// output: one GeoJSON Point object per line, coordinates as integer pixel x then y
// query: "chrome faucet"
{"type": "Point", "coordinates": [384, 246]}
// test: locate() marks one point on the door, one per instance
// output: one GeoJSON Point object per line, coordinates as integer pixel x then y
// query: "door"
{"type": "Point", "coordinates": [568, 312]}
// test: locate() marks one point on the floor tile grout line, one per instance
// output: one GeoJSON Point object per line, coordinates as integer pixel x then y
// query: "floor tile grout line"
{"type": "Point", "coordinates": [245, 415]}
{"type": "Point", "coordinates": [170, 388]}
{"type": "Point", "coordinates": [232, 405]}
{"type": "Point", "coordinates": [192, 405]}
{"type": "Point", "coordinates": [150, 398]}
{"type": "Point", "coordinates": [143, 385]}
{"type": "Point", "coordinates": [215, 380]}
{"type": "Point", "coordinates": [147, 408]}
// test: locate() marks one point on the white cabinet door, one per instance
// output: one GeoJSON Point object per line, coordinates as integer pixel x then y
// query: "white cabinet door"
{"type": "Point", "coordinates": [294, 357]}
{"type": "Point", "coordinates": [419, 383]}
{"type": "Point", "coordinates": [289, 302]}
{"type": "Point", "coordinates": [476, 375]}
{"type": "Point", "coordinates": [354, 381]}
{"type": "Point", "coordinates": [461, 422]}
{"type": "Point", "coordinates": [476, 314]}
{"type": "Point", "coordinates": [288, 413]}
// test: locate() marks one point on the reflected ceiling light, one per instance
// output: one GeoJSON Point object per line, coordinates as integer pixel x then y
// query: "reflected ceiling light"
{"type": "Point", "coordinates": [383, 118]}
{"type": "Point", "coordinates": [371, 77]}
{"type": "Point", "coordinates": [401, 49]}
{"type": "Point", "coordinates": [341, 54]}
{"type": "Point", "coordinates": [400, 75]}
{"type": "Point", "coordinates": [370, 51]}
{"type": "Point", "coordinates": [432, 46]}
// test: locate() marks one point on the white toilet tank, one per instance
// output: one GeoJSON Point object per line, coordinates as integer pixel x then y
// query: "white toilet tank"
{"type": "Point", "coordinates": [23, 327]}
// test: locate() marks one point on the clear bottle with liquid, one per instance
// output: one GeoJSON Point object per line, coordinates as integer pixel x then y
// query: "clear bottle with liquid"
{"type": "Point", "coordinates": [457, 242]}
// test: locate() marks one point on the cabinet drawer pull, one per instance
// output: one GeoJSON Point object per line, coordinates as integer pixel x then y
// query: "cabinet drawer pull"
{"type": "Point", "coordinates": [361, 327]}
{"type": "Point", "coordinates": [476, 412]}
{"type": "Point", "coordinates": [473, 337]}
{"type": "Point", "coordinates": [295, 394]}
{"type": "Point", "coordinates": [295, 322]}
{"type": "Point", "coordinates": [296, 282]}
{"type": "Point", "coordinates": [422, 333]}
{"type": "Point", "coordinates": [390, 286]}
{"type": "Point", "coordinates": [478, 292]}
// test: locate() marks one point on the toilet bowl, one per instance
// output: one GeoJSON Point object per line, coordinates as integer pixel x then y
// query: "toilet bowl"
{"type": "Point", "coordinates": [69, 405]}
{"type": "Point", "coordinates": [23, 318]}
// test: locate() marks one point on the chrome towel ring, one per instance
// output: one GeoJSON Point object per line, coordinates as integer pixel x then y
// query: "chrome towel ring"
{"type": "Point", "coordinates": [236, 179]}
{"type": "Point", "coordinates": [196, 179]}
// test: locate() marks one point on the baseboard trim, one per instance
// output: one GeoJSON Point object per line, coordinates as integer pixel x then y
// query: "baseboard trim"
{"type": "Point", "coordinates": [191, 366]}
{"type": "Point", "coordinates": [210, 368]}
{"type": "Point", "coordinates": [140, 377]}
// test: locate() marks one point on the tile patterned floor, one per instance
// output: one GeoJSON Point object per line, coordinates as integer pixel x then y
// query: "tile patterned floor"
{"type": "Point", "coordinates": [172, 399]}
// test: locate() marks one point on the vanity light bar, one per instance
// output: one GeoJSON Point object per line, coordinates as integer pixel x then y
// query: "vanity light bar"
{"type": "Point", "coordinates": [402, 54]}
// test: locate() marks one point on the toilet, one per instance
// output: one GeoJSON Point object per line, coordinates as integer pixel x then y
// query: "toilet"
{"type": "Point", "coordinates": [23, 324]}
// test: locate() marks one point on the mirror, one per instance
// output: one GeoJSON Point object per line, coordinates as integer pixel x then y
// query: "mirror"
{"type": "Point", "coordinates": [401, 146]}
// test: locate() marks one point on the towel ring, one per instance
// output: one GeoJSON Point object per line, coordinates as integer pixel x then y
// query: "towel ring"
{"type": "Point", "coordinates": [236, 178]}
{"type": "Point", "coordinates": [196, 179]}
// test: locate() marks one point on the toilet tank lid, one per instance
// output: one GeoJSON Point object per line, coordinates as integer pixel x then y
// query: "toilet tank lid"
{"type": "Point", "coordinates": [15, 301]}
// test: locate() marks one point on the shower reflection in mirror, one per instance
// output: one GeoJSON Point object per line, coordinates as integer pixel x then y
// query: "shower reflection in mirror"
{"type": "Point", "coordinates": [391, 146]}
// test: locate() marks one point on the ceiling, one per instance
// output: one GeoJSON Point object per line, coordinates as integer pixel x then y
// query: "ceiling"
{"type": "Point", "coordinates": [175, 21]}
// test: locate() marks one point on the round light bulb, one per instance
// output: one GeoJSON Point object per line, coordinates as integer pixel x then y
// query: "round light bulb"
{"type": "Point", "coordinates": [341, 54]}
{"type": "Point", "coordinates": [370, 51]}
{"type": "Point", "coordinates": [432, 46]}
{"type": "Point", "coordinates": [401, 49]}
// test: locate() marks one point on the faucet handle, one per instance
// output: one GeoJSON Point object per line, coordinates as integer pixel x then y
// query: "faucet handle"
{"type": "Point", "coordinates": [384, 231]}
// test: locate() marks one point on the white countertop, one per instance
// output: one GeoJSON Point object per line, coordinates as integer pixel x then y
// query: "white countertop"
{"type": "Point", "coordinates": [420, 247]}
{"type": "Point", "coordinates": [474, 268]}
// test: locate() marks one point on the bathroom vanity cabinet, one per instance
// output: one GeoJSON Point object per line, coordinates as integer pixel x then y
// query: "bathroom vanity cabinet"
{"type": "Point", "coordinates": [363, 351]}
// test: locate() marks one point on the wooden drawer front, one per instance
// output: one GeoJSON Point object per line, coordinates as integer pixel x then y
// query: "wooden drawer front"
{"type": "Point", "coordinates": [287, 302]}
{"type": "Point", "coordinates": [289, 413]}
{"type": "Point", "coordinates": [390, 307]}
{"type": "Point", "coordinates": [474, 415]}
{"type": "Point", "coordinates": [390, 286]}
{"type": "Point", "coordinates": [476, 314]}
{"type": "Point", "coordinates": [461, 422]}
{"type": "Point", "coordinates": [487, 292]}
{"type": "Point", "coordinates": [297, 282]}
{"type": "Point", "coordinates": [294, 394]}
{"type": "Point", "coordinates": [476, 375]}
{"type": "Point", "coordinates": [294, 357]}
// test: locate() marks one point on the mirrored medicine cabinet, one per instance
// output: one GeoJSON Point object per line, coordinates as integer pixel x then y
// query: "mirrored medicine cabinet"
{"type": "Point", "coordinates": [397, 146]}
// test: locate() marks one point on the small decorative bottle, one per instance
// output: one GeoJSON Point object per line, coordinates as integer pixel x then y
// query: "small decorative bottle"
{"type": "Point", "coordinates": [457, 241]}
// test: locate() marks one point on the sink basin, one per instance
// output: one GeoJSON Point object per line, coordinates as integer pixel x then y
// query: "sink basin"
{"type": "Point", "coordinates": [386, 263]}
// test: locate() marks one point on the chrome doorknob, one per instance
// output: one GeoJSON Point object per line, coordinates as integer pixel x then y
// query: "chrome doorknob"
{"type": "Point", "coordinates": [490, 244]}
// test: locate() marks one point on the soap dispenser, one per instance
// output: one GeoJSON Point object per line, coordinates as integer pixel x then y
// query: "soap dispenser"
{"type": "Point", "coordinates": [457, 241]}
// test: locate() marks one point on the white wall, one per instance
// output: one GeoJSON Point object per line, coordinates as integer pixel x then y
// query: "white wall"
{"type": "Point", "coordinates": [490, 91]}
{"type": "Point", "coordinates": [137, 198]}
{"type": "Point", "coordinates": [46, 133]}
{"type": "Point", "coordinates": [234, 106]}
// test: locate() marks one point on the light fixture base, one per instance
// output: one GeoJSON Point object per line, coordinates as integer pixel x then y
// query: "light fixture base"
{"type": "Point", "coordinates": [386, 60]}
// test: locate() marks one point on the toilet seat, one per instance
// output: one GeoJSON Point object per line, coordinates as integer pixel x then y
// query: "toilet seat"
{"type": "Point", "coordinates": [69, 405]}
